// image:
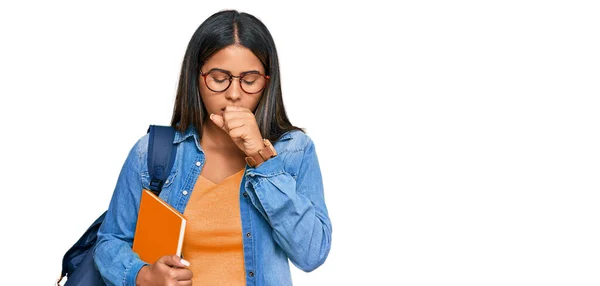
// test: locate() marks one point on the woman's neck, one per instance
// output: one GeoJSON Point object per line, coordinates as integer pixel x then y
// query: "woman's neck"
{"type": "Point", "coordinates": [213, 137]}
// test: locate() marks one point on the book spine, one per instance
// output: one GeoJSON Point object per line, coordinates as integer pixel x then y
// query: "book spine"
{"type": "Point", "coordinates": [181, 233]}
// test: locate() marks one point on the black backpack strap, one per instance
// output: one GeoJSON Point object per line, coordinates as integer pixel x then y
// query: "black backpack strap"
{"type": "Point", "coordinates": [161, 155]}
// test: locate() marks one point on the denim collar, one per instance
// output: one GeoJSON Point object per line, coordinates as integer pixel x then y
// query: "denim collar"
{"type": "Point", "coordinates": [190, 132]}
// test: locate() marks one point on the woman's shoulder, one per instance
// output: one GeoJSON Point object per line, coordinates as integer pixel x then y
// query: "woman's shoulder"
{"type": "Point", "coordinates": [142, 143]}
{"type": "Point", "coordinates": [140, 148]}
{"type": "Point", "coordinates": [294, 140]}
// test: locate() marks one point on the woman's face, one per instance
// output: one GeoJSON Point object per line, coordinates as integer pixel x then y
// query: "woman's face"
{"type": "Point", "coordinates": [234, 60]}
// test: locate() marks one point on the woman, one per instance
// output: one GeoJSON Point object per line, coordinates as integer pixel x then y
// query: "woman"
{"type": "Point", "coordinates": [247, 180]}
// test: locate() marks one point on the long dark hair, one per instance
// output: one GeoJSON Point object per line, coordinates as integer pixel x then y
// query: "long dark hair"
{"type": "Point", "coordinates": [220, 30]}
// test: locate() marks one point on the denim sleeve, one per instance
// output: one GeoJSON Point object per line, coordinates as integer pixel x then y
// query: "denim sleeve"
{"type": "Point", "coordinates": [294, 207]}
{"type": "Point", "coordinates": [113, 256]}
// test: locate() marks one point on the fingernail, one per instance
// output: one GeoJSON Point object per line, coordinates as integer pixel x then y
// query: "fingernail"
{"type": "Point", "coordinates": [185, 262]}
{"type": "Point", "coordinates": [211, 116]}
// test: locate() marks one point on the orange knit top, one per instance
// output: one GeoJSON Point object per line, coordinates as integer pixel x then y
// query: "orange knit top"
{"type": "Point", "coordinates": [213, 234]}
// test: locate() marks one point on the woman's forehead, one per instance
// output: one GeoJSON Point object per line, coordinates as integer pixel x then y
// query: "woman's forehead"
{"type": "Point", "coordinates": [235, 59]}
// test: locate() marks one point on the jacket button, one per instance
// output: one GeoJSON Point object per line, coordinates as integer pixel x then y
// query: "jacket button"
{"type": "Point", "coordinates": [198, 164]}
{"type": "Point", "coordinates": [251, 273]}
{"type": "Point", "coordinates": [245, 194]}
{"type": "Point", "coordinates": [248, 234]}
{"type": "Point", "coordinates": [185, 192]}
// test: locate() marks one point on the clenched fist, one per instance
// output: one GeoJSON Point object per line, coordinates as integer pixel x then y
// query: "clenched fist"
{"type": "Point", "coordinates": [240, 124]}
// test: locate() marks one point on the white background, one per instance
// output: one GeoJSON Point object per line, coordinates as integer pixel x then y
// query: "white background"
{"type": "Point", "coordinates": [458, 140]}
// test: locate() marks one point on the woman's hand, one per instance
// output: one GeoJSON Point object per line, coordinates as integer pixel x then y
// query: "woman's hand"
{"type": "Point", "coordinates": [241, 126]}
{"type": "Point", "coordinates": [169, 270]}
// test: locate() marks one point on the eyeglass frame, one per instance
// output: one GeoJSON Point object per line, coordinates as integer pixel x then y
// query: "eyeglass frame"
{"type": "Point", "coordinates": [239, 77]}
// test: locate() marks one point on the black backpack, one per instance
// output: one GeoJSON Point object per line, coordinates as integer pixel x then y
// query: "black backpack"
{"type": "Point", "coordinates": [78, 263]}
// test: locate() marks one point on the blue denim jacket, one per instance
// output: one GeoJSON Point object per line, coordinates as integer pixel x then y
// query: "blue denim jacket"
{"type": "Point", "coordinates": [282, 209]}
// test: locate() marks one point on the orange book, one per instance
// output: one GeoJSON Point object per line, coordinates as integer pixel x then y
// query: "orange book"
{"type": "Point", "coordinates": [159, 230]}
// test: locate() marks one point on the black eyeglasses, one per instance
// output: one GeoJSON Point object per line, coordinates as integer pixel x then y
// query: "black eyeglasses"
{"type": "Point", "coordinates": [218, 80]}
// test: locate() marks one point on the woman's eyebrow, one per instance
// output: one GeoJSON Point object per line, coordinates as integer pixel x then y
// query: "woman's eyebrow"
{"type": "Point", "coordinates": [219, 70]}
